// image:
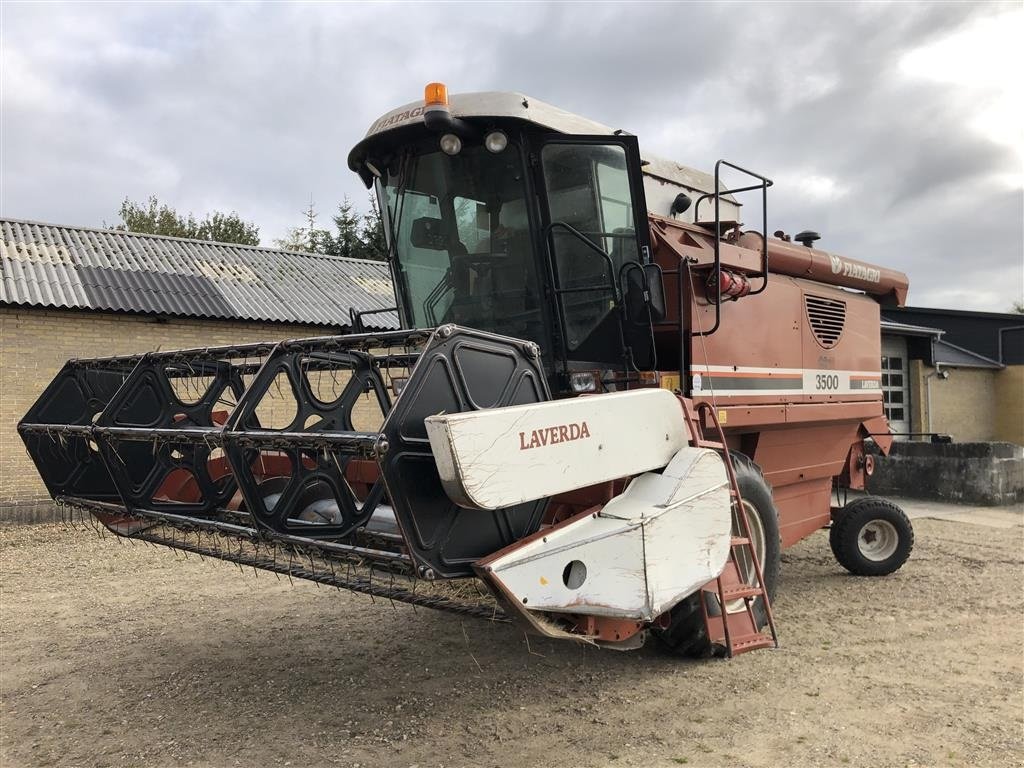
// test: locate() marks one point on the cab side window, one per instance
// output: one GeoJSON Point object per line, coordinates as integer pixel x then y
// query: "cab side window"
{"type": "Point", "coordinates": [588, 188]}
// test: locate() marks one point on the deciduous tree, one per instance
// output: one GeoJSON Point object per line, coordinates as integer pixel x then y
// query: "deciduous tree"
{"type": "Point", "coordinates": [156, 218]}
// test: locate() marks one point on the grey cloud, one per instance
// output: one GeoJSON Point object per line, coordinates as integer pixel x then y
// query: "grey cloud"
{"type": "Point", "coordinates": [254, 108]}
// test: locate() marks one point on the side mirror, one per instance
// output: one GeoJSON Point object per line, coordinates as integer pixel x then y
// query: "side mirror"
{"type": "Point", "coordinates": [681, 204]}
{"type": "Point", "coordinates": [644, 292]}
{"type": "Point", "coordinates": [655, 291]}
{"type": "Point", "coordinates": [428, 232]}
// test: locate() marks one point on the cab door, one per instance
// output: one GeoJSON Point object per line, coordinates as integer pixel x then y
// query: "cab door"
{"type": "Point", "coordinates": [594, 222]}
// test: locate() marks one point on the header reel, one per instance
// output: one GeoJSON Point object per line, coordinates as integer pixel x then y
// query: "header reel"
{"type": "Point", "coordinates": [299, 441]}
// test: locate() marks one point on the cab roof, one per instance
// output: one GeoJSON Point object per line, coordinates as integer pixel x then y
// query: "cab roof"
{"type": "Point", "coordinates": [519, 106]}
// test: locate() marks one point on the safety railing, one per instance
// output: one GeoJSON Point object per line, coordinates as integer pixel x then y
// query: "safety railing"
{"type": "Point", "coordinates": [762, 185]}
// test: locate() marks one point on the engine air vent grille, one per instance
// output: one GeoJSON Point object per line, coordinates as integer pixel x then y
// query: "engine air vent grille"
{"type": "Point", "coordinates": [827, 318]}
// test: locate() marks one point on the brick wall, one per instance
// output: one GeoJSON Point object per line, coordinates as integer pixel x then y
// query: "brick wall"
{"type": "Point", "coordinates": [1010, 398]}
{"type": "Point", "coordinates": [34, 344]}
{"type": "Point", "coordinates": [918, 396]}
{"type": "Point", "coordinates": [964, 405]}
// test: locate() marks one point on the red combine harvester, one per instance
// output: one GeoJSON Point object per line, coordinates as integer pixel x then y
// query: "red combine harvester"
{"type": "Point", "coordinates": [607, 409]}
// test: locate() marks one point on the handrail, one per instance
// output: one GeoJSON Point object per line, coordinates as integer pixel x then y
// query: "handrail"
{"type": "Point", "coordinates": [717, 195]}
{"type": "Point", "coordinates": [558, 291]}
{"type": "Point", "coordinates": [356, 318]}
{"type": "Point", "coordinates": [625, 268]}
{"type": "Point", "coordinates": [594, 247]}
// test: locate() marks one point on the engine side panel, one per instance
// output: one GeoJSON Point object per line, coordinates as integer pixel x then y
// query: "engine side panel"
{"type": "Point", "coordinates": [794, 373]}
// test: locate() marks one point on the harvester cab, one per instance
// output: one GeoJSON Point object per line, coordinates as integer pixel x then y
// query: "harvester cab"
{"type": "Point", "coordinates": [450, 462]}
{"type": "Point", "coordinates": [507, 215]}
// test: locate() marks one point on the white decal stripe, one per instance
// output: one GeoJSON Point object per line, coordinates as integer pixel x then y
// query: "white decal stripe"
{"type": "Point", "coordinates": [730, 381]}
{"type": "Point", "coordinates": [703, 369]}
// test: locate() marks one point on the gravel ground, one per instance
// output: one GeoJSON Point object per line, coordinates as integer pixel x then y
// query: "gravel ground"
{"type": "Point", "coordinates": [116, 655]}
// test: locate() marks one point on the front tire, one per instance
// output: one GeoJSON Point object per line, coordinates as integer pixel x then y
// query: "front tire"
{"type": "Point", "coordinates": [686, 633]}
{"type": "Point", "coordinates": [871, 537]}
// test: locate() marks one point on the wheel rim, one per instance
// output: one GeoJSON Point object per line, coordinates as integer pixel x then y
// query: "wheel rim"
{"type": "Point", "coordinates": [744, 561]}
{"type": "Point", "coordinates": [877, 540]}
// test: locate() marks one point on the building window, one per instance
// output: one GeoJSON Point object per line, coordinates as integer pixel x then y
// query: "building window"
{"type": "Point", "coordinates": [894, 386]}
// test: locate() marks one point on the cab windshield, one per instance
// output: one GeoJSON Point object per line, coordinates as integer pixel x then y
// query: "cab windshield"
{"type": "Point", "coordinates": [461, 240]}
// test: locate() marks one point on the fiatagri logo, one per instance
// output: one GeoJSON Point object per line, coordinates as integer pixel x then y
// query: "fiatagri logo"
{"type": "Point", "coordinates": [563, 433]}
{"type": "Point", "coordinates": [858, 271]}
{"type": "Point", "coordinates": [401, 117]}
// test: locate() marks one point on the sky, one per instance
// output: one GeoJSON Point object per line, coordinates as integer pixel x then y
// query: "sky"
{"type": "Point", "coordinates": [895, 130]}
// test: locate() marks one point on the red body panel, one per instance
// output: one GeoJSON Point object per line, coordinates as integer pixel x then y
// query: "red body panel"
{"type": "Point", "coordinates": [793, 371]}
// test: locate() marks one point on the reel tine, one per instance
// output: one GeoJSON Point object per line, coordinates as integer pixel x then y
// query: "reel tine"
{"type": "Point", "coordinates": [369, 582]}
{"type": "Point", "coordinates": [312, 568]}
{"type": "Point", "coordinates": [240, 568]}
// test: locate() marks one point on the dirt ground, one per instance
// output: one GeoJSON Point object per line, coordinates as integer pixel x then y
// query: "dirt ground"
{"type": "Point", "coordinates": [117, 655]}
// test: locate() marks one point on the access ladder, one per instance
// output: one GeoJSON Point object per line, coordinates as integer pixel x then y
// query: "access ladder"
{"type": "Point", "coordinates": [737, 631]}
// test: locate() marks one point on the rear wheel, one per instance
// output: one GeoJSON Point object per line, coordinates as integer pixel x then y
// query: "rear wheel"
{"type": "Point", "coordinates": [871, 537]}
{"type": "Point", "coordinates": [686, 634]}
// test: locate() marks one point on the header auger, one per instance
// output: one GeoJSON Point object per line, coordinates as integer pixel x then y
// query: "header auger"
{"type": "Point", "coordinates": [603, 417]}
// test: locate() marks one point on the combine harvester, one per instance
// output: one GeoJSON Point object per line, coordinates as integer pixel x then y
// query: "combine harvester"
{"type": "Point", "coordinates": [608, 409]}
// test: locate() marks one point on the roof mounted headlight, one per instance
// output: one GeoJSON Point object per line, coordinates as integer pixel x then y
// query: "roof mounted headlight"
{"type": "Point", "coordinates": [496, 141]}
{"type": "Point", "coordinates": [451, 144]}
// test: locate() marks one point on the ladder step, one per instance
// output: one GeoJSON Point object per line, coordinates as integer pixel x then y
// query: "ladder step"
{"type": "Point", "coordinates": [751, 643]}
{"type": "Point", "coordinates": [743, 633]}
{"type": "Point", "coordinates": [732, 584]}
{"type": "Point", "coordinates": [741, 625]}
{"type": "Point", "coordinates": [745, 590]}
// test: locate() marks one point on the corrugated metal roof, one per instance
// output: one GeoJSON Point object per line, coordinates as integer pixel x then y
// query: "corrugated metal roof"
{"type": "Point", "coordinates": [48, 265]}
{"type": "Point", "coordinates": [958, 357]}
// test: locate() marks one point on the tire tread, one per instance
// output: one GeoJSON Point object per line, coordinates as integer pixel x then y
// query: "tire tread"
{"type": "Point", "coordinates": [842, 537]}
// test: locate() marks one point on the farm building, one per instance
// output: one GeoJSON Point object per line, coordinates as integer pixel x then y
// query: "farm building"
{"type": "Point", "coordinates": [68, 292]}
{"type": "Point", "coordinates": [954, 372]}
